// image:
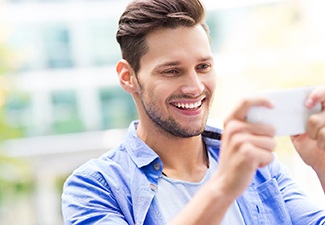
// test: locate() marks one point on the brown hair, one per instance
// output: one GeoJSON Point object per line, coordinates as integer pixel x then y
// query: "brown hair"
{"type": "Point", "coordinates": [143, 16]}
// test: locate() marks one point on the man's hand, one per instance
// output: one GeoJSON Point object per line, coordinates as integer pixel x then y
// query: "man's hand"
{"type": "Point", "coordinates": [245, 148]}
{"type": "Point", "coordinates": [311, 145]}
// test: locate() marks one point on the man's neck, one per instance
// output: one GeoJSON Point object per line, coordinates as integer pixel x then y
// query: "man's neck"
{"type": "Point", "coordinates": [183, 158]}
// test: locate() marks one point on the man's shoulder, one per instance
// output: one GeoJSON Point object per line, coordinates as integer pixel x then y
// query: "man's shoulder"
{"type": "Point", "coordinates": [112, 158]}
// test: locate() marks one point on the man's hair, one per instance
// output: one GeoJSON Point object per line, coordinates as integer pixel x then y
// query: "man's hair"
{"type": "Point", "coordinates": [144, 16]}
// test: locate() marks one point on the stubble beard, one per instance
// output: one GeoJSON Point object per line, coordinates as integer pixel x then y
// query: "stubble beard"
{"type": "Point", "coordinates": [170, 126]}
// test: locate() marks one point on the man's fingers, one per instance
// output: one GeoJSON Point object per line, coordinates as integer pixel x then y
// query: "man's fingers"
{"type": "Point", "coordinates": [315, 125]}
{"type": "Point", "coordinates": [321, 138]}
{"type": "Point", "coordinates": [255, 153]}
{"type": "Point", "coordinates": [316, 122]}
{"type": "Point", "coordinates": [241, 110]}
{"type": "Point", "coordinates": [259, 129]}
{"type": "Point", "coordinates": [315, 97]}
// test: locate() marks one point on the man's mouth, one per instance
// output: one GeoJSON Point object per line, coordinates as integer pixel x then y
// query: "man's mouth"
{"type": "Point", "coordinates": [188, 106]}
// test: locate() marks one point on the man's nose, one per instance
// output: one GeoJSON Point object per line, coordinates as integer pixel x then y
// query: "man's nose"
{"type": "Point", "coordinates": [192, 84]}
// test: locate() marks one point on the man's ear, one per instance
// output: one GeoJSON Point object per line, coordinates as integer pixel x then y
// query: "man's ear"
{"type": "Point", "coordinates": [126, 76]}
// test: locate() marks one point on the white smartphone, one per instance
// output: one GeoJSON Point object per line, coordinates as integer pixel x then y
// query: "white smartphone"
{"type": "Point", "coordinates": [289, 115]}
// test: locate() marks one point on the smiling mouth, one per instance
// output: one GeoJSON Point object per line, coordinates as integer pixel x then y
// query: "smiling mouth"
{"type": "Point", "coordinates": [188, 106]}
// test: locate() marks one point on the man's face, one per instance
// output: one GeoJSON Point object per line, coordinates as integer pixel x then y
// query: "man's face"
{"type": "Point", "coordinates": [176, 81]}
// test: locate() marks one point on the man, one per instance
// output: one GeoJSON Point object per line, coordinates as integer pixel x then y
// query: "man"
{"type": "Point", "coordinates": [171, 168]}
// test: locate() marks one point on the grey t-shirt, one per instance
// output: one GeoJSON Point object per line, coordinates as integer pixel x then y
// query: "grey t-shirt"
{"type": "Point", "coordinates": [172, 195]}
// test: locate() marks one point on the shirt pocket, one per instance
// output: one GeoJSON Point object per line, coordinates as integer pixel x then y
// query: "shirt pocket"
{"type": "Point", "coordinates": [273, 204]}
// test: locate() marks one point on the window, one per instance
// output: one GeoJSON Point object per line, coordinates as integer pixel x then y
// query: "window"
{"type": "Point", "coordinates": [57, 46]}
{"type": "Point", "coordinates": [17, 115]}
{"type": "Point", "coordinates": [65, 111]}
{"type": "Point", "coordinates": [222, 23]}
{"type": "Point", "coordinates": [118, 108]}
{"type": "Point", "coordinates": [22, 43]}
{"type": "Point", "coordinates": [104, 47]}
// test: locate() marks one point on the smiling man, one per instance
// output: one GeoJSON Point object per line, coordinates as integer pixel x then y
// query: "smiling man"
{"type": "Point", "coordinates": [174, 87]}
{"type": "Point", "coordinates": [171, 167]}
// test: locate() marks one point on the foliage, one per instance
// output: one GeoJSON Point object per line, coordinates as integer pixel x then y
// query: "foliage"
{"type": "Point", "coordinates": [3, 61]}
{"type": "Point", "coordinates": [6, 62]}
{"type": "Point", "coordinates": [16, 179]}
{"type": "Point", "coordinates": [14, 173]}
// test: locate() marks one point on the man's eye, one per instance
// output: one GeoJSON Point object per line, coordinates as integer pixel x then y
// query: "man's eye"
{"type": "Point", "coordinates": [203, 66]}
{"type": "Point", "coordinates": [170, 71]}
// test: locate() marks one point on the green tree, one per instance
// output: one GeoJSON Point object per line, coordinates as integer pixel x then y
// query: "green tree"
{"type": "Point", "coordinates": [6, 130]}
{"type": "Point", "coordinates": [14, 173]}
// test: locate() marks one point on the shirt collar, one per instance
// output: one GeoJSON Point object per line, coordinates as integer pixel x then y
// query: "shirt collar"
{"type": "Point", "coordinates": [139, 151]}
{"type": "Point", "coordinates": [143, 155]}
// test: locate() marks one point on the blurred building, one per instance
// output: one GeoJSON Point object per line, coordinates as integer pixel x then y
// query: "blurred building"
{"type": "Point", "coordinates": [63, 96]}
{"type": "Point", "coordinates": [64, 80]}
{"type": "Point", "coordinates": [64, 75]}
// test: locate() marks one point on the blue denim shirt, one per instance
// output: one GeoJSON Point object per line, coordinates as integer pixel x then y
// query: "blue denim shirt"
{"type": "Point", "coordinates": [119, 188]}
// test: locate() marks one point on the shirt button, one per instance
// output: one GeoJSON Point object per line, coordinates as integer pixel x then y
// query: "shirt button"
{"type": "Point", "coordinates": [157, 166]}
{"type": "Point", "coordinates": [152, 187]}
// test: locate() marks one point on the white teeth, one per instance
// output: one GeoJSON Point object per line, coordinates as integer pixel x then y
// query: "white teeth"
{"type": "Point", "coordinates": [188, 105]}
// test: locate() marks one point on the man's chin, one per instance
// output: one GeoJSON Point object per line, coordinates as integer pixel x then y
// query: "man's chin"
{"type": "Point", "coordinates": [187, 132]}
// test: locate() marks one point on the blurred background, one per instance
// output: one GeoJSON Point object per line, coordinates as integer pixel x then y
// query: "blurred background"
{"type": "Point", "coordinates": [61, 104]}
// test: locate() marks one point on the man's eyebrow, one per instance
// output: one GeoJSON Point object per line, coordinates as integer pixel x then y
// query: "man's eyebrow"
{"type": "Point", "coordinates": [208, 58]}
{"type": "Point", "coordinates": [166, 64]}
{"type": "Point", "coordinates": [177, 63]}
